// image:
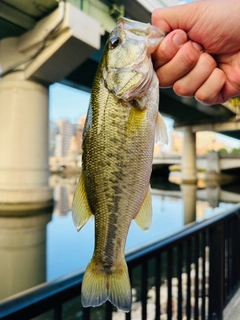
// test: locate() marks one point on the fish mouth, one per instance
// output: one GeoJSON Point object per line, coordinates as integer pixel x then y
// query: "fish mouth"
{"type": "Point", "coordinates": [149, 33]}
{"type": "Point", "coordinates": [140, 28]}
{"type": "Point", "coordinates": [150, 37]}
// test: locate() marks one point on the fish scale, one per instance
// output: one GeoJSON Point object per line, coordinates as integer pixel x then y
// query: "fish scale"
{"type": "Point", "coordinates": [118, 143]}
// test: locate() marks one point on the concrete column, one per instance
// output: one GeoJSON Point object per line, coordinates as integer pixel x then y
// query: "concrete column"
{"type": "Point", "coordinates": [189, 170]}
{"type": "Point", "coordinates": [213, 196]}
{"type": "Point", "coordinates": [189, 202]}
{"type": "Point", "coordinates": [23, 144]}
{"type": "Point", "coordinates": [213, 163]}
{"type": "Point", "coordinates": [22, 252]}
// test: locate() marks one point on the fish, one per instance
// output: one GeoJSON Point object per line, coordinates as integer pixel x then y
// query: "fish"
{"type": "Point", "coordinates": [120, 130]}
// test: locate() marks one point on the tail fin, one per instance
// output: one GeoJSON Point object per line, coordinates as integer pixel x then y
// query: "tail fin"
{"type": "Point", "coordinates": [99, 286]}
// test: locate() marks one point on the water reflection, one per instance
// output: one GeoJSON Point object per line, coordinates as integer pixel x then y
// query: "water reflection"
{"type": "Point", "coordinates": [189, 196]}
{"type": "Point", "coordinates": [22, 251]}
{"type": "Point", "coordinates": [38, 246]}
{"type": "Point", "coordinates": [63, 191]}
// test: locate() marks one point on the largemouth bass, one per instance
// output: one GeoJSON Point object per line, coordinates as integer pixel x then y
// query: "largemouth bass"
{"type": "Point", "coordinates": [118, 140]}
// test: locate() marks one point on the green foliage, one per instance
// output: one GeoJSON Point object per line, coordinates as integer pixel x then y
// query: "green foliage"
{"type": "Point", "coordinates": [223, 151]}
{"type": "Point", "coordinates": [235, 151]}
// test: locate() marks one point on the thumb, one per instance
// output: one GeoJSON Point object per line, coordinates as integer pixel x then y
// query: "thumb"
{"type": "Point", "coordinates": [176, 17]}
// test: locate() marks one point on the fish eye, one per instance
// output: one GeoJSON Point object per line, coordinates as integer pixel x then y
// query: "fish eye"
{"type": "Point", "coordinates": [114, 42]}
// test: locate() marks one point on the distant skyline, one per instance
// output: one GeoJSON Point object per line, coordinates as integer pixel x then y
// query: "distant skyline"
{"type": "Point", "coordinates": [71, 104]}
{"type": "Point", "coordinates": [67, 102]}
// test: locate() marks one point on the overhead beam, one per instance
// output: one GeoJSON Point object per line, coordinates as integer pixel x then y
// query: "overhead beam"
{"type": "Point", "coordinates": [230, 125]}
{"type": "Point", "coordinates": [16, 17]}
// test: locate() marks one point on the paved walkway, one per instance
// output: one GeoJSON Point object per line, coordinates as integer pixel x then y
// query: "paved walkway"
{"type": "Point", "coordinates": [232, 310]}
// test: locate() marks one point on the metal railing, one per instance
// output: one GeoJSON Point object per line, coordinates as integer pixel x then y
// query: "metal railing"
{"type": "Point", "coordinates": [192, 273]}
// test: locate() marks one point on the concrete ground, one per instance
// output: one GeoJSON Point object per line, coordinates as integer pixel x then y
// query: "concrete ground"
{"type": "Point", "coordinates": [232, 310]}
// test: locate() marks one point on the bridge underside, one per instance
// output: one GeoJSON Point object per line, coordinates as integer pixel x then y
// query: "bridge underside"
{"type": "Point", "coordinates": [184, 111]}
{"type": "Point", "coordinates": [232, 171]}
{"type": "Point", "coordinates": [68, 58]}
{"type": "Point", "coordinates": [18, 17]}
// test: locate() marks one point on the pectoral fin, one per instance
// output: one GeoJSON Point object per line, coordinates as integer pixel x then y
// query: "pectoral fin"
{"type": "Point", "coordinates": [144, 216]}
{"type": "Point", "coordinates": [81, 211]}
{"type": "Point", "coordinates": [161, 130]}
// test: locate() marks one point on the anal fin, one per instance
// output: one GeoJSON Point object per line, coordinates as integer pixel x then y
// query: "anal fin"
{"type": "Point", "coordinates": [144, 216]}
{"type": "Point", "coordinates": [81, 211]}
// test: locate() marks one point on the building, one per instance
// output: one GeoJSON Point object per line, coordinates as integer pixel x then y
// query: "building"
{"type": "Point", "coordinates": [205, 141]}
{"type": "Point", "coordinates": [53, 131]}
{"type": "Point", "coordinates": [63, 138]}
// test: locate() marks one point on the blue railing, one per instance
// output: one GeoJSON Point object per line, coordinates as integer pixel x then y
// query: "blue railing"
{"type": "Point", "coordinates": [192, 273]}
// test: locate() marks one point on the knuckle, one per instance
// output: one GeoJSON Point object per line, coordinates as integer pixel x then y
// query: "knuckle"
{"type": "Point", "coordinates": [166, 52]}
{"type": "Point", "coordinates": [182, 90]}
{"type": "Point", "coordinates": [189, 56]}
{"type": "Point", "coordinates": [202, 97]}
{"type": "Point", "coordinates": [219, 75]}
{"type": "Point", "coordinates": [209, 61]}
{"type": "Point", "coordinates": [177, 88]}
{"type": "Point", "coordinates": [208, 92]}
{"type": "Point", "coordinates": [163, 81]}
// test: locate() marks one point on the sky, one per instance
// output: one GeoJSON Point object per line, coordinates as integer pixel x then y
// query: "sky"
{"type": "Point", "coordinates": [70, 103]}
{"type": "Point", "coordinates": [67, 103]}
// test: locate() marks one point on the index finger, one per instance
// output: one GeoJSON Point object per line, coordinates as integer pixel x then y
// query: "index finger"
{"type": "Point", "coordinates": [168, 48]}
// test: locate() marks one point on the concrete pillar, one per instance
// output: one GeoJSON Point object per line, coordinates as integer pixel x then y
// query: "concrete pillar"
{"type": "Point", "coordinates": [213, 163]}
{"type": "Point", "coordinates": [213, 195]}
{"type": "Point", "coordinates": [189, 202]}
{"type": "Point", "coordinates": [24, 144]}
{"type": "Point", "coordinates": [189, 170]}
{"type": "Point", "coordinates": [22, 252]}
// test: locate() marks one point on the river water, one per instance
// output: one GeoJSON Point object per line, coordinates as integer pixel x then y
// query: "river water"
{"type": "Point", "coordinates": [43, 246]}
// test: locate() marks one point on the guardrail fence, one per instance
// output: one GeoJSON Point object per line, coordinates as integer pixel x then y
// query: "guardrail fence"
{"type": "Point", "coordinates": [189, 275]}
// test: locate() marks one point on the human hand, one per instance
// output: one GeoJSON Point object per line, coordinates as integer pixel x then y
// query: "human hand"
{"type": "Point", "coordinates": [201, 54]}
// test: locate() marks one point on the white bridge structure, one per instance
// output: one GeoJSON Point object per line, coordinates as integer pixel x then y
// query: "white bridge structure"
{"type": "Point", "coordinates": [43, 42]}
{"type": "Point", "coordinates": [212, 162]}
{"type": "Point", "coordinates": [212, 195]}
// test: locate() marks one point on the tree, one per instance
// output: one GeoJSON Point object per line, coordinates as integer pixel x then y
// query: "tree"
{"type": "Point", "coordinates": [235, 151]}
{"type": "Point", "coordinates": [223, 151]}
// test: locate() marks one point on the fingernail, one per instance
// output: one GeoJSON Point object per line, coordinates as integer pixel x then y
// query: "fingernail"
{"type": "Point", "coordinates": [198, 46]}
{"type": "Point", "coordinates": [202, 102]}
{"type": "Point", "coordinates": [179, 39]}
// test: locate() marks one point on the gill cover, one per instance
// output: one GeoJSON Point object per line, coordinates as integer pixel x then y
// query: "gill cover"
{"type": "Point", "coordinates": [128, 71]}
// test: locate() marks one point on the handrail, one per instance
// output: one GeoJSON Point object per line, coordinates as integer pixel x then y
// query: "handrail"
{"type": "Point", "coordinates": [186, 232]}
{"type": "Point", "coordinates": [71, 283]}
{"type": "Point", "coordinates": [41, 292]}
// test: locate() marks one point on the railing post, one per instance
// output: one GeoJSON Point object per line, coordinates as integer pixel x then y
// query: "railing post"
{"type": "Point", "coordinates": [179, 276]}
{"type": "Point", "coordinates": [188, 270]}
{"type": "Point", "coordinates": [144, 288]}
{"type": "Point", "coordinates": [235, 249]}
{"type": "Point", "coordinates": [169, 283]}
{"type": "Point", "coordinates": [108, 311]}
{"type": "Point", "coordinates": [58, 312]}
{"type": "Point", "coordinates": [216, 276]}
{"type": "Point", "coordinates": [86, 314]}
{"type": "Point", "coordinates": [203, 291]}
{"type": "Point", "coordinates": [158, 274]}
